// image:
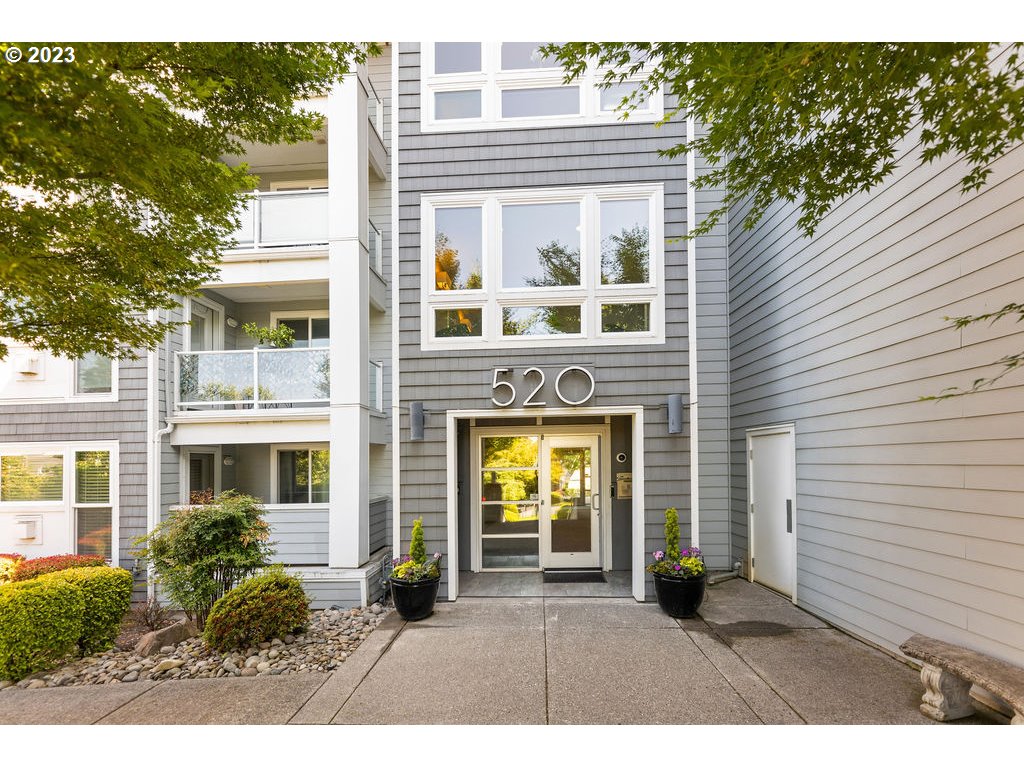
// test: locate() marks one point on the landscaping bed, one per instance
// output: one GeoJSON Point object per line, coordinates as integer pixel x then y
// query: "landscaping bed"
{"type": "Point", "coordinates": [331, 637]}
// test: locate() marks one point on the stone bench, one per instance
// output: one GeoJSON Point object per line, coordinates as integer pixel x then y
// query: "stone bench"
{"type": "Point", "coordinates": [948, 672]}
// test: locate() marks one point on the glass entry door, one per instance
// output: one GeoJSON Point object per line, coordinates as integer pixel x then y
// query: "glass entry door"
{"type": "Point", "coordinates": [571, 502]}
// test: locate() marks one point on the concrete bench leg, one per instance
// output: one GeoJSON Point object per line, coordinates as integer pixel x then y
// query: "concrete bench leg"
{"type": "Point", "coordinates": [946, 696]}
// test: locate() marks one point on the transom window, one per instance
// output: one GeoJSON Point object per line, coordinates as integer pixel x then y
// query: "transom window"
{"type": "Point", "coordinates": [495, 85]}
{"type": "Point", "coordinates": [556, 267]}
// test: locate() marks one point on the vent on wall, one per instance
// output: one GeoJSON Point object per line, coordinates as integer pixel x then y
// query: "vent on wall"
{"type": "Point", "coordinates": [28, 529]}
{"type": "Point", "coordinates": [29, 365]}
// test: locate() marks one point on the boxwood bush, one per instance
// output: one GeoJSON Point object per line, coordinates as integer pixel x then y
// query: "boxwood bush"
{"type": "Point", "coordinates": [259, 609]}
{"type": "Point", "coordinates": [108, 596]}
{"type": "Point", "coordinates": [41, 623]}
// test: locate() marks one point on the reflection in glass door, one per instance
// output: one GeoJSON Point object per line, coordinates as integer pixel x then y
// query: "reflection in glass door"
{"type": "Point", "coordinates": [570, 519]}
{"type": "Point", "coordinates": [509, 502]}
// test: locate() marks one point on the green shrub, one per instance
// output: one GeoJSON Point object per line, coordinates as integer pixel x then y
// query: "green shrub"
{"type": "Point", "coordinates": [259, 609]}
{"type": "Point", "coordinates": [672, 533]}
{"type": "Point", "coordinates": [417, 548]}
{"type": "Point", "coordinates": [37, 566]}
{"type": "Point", "coordinates": [108, 596]}
{"type": "Point", "coordinates": [201, 552]}
{"type": "Point", "coordinates": [41, 622]}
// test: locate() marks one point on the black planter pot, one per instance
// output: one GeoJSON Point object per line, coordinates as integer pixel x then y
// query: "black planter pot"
{"type": "Point", "coordinates": [414, 600]}
{"type": "Point", "coordinates": [680, 598]}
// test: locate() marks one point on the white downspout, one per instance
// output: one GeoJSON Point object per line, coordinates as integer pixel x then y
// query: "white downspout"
{"type": "Point", "coordinates": [153, 462]}
{"type": "Point", "coordinates": [691, 326]}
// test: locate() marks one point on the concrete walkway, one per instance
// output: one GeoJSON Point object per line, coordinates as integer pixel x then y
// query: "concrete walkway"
{"type": "Point", "coordinates": [753, 658]}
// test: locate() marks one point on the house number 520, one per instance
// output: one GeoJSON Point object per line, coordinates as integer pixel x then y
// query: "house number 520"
{"type": "Point", "coordinates": [504, 392]}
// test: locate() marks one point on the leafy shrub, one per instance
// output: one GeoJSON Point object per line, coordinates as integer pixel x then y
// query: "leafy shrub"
{"type": "Point", "coordinates": [415, 566]}
{"type": "Point", "coordinates": [201, 552]}
{"type": "Point", "coordinates": [108, 596]}
{"type": "Point", "coordinates": [8, 565]}
{"type": "Point", "coordinates": [151, 614]}
{"type": "Point", "coordinates": [41, 623]}
{"type": "Point", "coordinates": [37, 566]}
{"type": "Point", "coordinates": [259, 609]}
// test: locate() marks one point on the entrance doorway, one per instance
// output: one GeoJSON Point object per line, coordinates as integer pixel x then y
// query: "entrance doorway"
{"type": "Point", "coordinates": [772, 518]}
{"type": "Point", "coordinates": [538, 499]}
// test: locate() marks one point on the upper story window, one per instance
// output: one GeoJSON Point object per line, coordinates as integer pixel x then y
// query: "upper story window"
{"type": "Point", "coordinates": [29, 376]}
{"type": "Point", "coordinates": [93, 374]}
{"type": "Point", "coordinates": [471, 86]}
{"type": "Point", "coordinates": [543, 267]}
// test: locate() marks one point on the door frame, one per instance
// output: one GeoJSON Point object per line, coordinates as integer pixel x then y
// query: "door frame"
{"type": "Point", "coordinates": [777, 429]}
{"type": "Point", "coordinates": [597, 442]}
{"type": "Point", "coordinates": [216, 323]}
{"type": "Point", "coordinates": [183, 479]}
{"type": "Point", "coordinates": [603, 431]}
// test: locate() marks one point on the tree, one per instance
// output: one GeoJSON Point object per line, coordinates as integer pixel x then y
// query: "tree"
{"type": "Point", "coordinates": [114, 199]}
{"type": "Point", "coordinates": [811, 123]}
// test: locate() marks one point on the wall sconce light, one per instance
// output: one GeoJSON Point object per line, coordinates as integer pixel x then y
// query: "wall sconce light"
{"type": "Point", "coordinates": [675, 414]}
{"type": "Point", "coordinates": [232, 323]}
{"type": "Point", "coordinates": [229, 460]}
{"type": "Point", "coordinates": [416, 420]}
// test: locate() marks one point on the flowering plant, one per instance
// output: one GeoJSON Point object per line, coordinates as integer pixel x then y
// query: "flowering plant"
{"type": "Point", "coordinates": [416, 566]}
{"type": "Point", "coordinates": [686, 563]}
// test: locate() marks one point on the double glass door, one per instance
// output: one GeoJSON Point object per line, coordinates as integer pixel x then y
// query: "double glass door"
{"type": "Point", "coordinates": [539, 501]}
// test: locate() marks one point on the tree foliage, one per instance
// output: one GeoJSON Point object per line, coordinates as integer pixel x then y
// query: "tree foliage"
{"type": "Point", "coordinates": [812, 123]}
{"type": "Point", "coordinates": [114, 198]}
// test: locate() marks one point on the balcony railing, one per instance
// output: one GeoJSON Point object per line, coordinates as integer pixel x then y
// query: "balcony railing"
{"type": "Point", "coordinates": [375, 385]}
{"type": "Point", "coordinates": [253, 378]}
{"type": "Point", "coordinates": [282, 219]}
{"type": "Point", "coordinates": [375, 245]}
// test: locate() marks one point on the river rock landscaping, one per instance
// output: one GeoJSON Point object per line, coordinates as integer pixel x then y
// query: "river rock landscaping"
{"type": "Point", "coordinates": [331, 637]}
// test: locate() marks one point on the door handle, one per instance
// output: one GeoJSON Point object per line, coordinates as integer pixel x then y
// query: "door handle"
{"type": "Point", "coordinates": [789, 515]}
{"type": "Point", "coordinates": [593, 503]}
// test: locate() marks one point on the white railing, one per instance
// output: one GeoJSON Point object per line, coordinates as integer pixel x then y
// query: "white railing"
{"type": "Point", "coordinates": [253, 378]}
{"type": "Point", "coordinates": [375, 110]}
{"type": "Point", "coordinates": [375, 244]}
{"type": "Point", "coordinates": [282, 219]}
{"type": "Point", "coordinates": [375, 385]}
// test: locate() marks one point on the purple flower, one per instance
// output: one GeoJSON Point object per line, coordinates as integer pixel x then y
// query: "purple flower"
{"type": "Point", "coordinates": [678, 567]}
{"type": "Point", "coordinates": [437, 555]}
{"type": "Point", "coordinates": [659, 555]}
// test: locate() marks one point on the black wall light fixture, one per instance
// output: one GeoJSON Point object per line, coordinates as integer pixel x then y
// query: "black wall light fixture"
{"type": "Point", "coordinates": [416, 420]}
{"type": "Point", "coordinates": [675, 414]}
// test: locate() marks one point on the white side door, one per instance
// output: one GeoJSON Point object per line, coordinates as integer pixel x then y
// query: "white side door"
{"type": "Point", "coordinates": [772, 497]}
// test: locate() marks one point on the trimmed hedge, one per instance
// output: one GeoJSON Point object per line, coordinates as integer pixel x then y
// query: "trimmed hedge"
{"type": "Point", "coordinates": [37, 566]}
{"type": "Point", "coordinates": [8, 566]}
{"type": "Point", "coordinates": [108, 596]}
{"type": "Point", "coordinates": [257, 610]}
{"type": "Point", "coordinates": [40, 624]}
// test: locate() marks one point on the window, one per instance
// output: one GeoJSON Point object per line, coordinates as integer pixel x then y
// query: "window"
{"type": "Point", "coordinates": [303, 476]}
{"type": "Point", "coordinates": [93, 374]}
{"type": "Point", "coordinates": [71, 486]}
{"type": "Point", "coordinates": [311, 330]}
{"type": "Point", "coordinates": [496, 85]}
{"type": "Point", "coordinates": [556, 267]}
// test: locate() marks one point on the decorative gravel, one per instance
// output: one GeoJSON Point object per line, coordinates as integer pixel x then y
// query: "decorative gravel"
{"type": "Point", "coordinates": [332, 636]}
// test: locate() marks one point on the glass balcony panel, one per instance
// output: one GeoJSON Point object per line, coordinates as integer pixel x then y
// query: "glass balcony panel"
{"type": "Point", "coordinates": [246, 232]}
{"type": "Point", "coordinates": [215, 379]}
{"type": "Point", "coordinates": [294, 218]}
{"type": "Point", "coordinates": [294, 377]}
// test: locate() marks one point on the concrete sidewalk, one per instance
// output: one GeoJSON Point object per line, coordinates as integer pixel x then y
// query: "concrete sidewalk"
{"type": "Point", "coordinates": [752, 658]}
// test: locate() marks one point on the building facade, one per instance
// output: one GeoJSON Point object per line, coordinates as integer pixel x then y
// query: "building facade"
{"type": "Point", "coordinates": [538, 365]}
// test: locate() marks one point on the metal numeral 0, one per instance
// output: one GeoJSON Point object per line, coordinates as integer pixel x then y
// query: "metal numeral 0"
{"type": "Point", "coordinates": [558, 382]}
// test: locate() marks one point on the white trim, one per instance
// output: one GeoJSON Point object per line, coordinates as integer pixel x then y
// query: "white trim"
{"type": "Point", "coordinates": [184, 458]}
{"type": "Point", "coordinates": [216, 323]}
{"type": "Point", "coordinates": [67, 504]}
{"type": "Point", "coordinates": [691, 326]}
{"type": "Point", "coordinates": [590, 295]}
{"type": "Point", "coordinates": [777, 429]}
{"type": "Point", "coordinates": [70, 385]}
{"type": "Point", "coordinates": [299, 185]}
{"type": "Point", "coordinates": [396, 405]}
{"type": "Point", "coordinates": [638, 502]}
{"type": "Point", "coordinates": [491, 81]}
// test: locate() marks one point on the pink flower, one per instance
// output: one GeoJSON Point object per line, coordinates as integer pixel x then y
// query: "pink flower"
{"type": "Point", "coordinates": [678, 567]}
{"type": "Point", "coordinates": [659, 555]}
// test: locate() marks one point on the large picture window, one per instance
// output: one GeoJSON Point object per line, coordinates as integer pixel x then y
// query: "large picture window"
{"type": "Point", "coordinates": [73, 483]}
{"type": "Point", "coordinates": [556, 267]}
{"type": "Point", "coordinates": [303, 476]}
{"type": "Point", "coordinates": [498, 85]}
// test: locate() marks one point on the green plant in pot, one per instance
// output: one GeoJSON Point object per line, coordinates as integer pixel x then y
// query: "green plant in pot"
{"type": "Point", "coordinates": [680, 576]}
{"type": "Point", "coordinates": [415, 578]}
{"type": "Point", "coordinates": [280, 337]}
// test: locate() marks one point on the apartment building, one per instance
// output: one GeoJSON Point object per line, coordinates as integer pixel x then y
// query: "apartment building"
{"type": "Point", "coordinates": [537, 365]}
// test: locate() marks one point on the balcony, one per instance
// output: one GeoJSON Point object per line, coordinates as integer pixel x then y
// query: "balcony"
{"type": "Point", "coordinates": [257, 379]}
{"type": "Point", "coordinates": [294, 219]}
